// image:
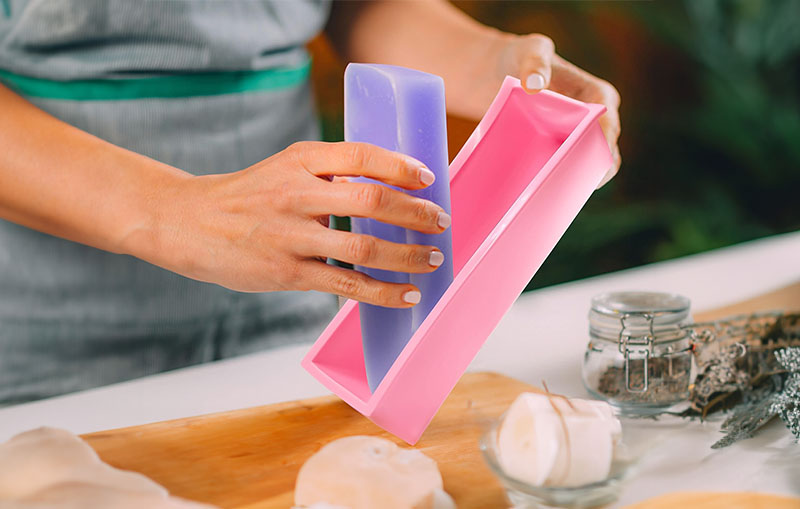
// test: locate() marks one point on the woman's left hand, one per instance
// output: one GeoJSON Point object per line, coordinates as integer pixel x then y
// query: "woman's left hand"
{"type": "Point", "coordinates": [473, 59]}
{"type": "Point", "coordinates": [532, 59]}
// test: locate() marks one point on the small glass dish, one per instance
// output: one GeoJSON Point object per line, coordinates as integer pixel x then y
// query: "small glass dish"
{"type": "Point", "coordinates": [526, 496]}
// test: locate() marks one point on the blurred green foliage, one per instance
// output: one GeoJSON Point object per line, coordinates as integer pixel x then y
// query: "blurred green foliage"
{"type": "Point", "coordinates": [710, 124]}
{"type": "Point", "coordinates": [717, 148]}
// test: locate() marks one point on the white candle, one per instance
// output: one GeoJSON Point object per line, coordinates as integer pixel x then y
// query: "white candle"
{"type": "Point", "coordinates": [554, 441]}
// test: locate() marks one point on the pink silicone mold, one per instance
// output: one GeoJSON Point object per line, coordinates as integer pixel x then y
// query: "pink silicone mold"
{"type": "Point", "coordinates": [516, 185]}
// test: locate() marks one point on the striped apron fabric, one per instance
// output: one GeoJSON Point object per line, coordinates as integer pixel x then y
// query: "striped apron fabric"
{"type": "Point", "coordinates": [206, 86]}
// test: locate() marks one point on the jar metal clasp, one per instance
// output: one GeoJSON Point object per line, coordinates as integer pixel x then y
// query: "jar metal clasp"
{"type": "Point", "coordinates": [636, 348]}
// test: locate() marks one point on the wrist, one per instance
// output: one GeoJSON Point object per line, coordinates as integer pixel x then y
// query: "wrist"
{"type": "Point", "coordinates": [471, 91]}
{"type": "Point", "coordinates": [156, 220]}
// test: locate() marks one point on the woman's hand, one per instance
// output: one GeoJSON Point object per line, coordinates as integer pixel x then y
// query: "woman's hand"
{"type": "Point", "coordinates": [265, 228]}
{"type": "Point", "coordinates": [259, 229]}
{"type": "Point", "coordinates": [533, 60]}
{"type": "Point", "coordinates": [437, 37]}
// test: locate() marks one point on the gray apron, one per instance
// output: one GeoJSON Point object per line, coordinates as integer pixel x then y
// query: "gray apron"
{"type": "Point", "coordinates": [74, 317]}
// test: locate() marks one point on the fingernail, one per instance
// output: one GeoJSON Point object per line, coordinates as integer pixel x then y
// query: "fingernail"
{"type": "Point", "coordinates": [436, 258]}
{"type": "Point", "coordinates": [443, 220]}
{"type": "Point", "coordinates": [412, 297]}
{"type": "Point", "coordinates": [535, 82]}
{"type": "Point", "coordinates": [426, 176]}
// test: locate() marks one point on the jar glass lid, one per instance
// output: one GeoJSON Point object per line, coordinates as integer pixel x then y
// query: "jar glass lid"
{"type": "Point", "coordinates": [614, 311]}
{"type": "Point", "coordinates": [616, 303]}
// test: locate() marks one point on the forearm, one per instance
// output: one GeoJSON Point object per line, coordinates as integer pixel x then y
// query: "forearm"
{"type": "Point", "coordinates": [430, 35]}
{"type": "Point", "coordinates": [60, 180]}
{"type": "Point", "coordinates": [257, 229]}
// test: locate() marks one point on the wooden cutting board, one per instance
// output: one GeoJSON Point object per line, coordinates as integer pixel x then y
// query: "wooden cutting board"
{"type": "Point", "coordinates": [250, 458]}
{"type": "Point", "coordinates": [786, 299]}
{"type": "Point", "coordinates": [716, 500]}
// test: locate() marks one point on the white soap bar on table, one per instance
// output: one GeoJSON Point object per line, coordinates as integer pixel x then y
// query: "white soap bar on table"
{"type": "Point", "coordinates": [548, 440]}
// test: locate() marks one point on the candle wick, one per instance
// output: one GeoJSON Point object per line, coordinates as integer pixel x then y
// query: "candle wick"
{"type": "Point", "coordinates": [564, 427]}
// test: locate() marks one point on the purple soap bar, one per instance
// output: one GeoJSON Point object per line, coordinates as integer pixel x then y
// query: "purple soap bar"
{"type": "Point", "coordinates": [402, 110]}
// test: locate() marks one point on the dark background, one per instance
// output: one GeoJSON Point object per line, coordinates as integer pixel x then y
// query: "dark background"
{"type": "Point", "coordinates": [710, 122]}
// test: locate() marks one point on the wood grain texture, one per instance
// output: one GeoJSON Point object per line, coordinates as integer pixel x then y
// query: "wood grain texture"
{"type": "Point", "coordinates": [713, 500]}
{"type": "Point", "coordinates": [785, 299]}
{"type": "Point", "coordinates": [248, 459]}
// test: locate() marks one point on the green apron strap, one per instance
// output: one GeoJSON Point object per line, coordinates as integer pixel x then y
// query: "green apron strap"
{"type": "Point", "coordinates": [172, 86]}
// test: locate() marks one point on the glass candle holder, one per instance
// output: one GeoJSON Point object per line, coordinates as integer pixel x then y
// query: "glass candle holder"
{"type": "Point", "coordinates": [639, 357]}
{"type": "Point", "coordinates": [523, 495]}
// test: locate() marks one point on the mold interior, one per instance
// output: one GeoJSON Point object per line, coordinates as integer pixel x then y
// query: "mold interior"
{"type": "Point", "coordinates": [524, 136]}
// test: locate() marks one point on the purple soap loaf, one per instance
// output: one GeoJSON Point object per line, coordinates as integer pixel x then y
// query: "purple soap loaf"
{"type": "Point", "coordinates": [401, 110]}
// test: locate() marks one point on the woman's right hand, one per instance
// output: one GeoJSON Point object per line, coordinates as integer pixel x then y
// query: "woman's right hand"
{"type": "Point", "coordinates": [264, 228]}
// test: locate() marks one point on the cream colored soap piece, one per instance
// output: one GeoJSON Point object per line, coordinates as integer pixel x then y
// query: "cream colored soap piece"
{"type": "Point", "coordinates": [547, 440]}
{"type": "Point", "coordinates": [46, 456]}
{"type": "Point", "coordinates": [362, 472]}
{"type": "Point", "coordinates": [72, 495]}
{"type": "Point", "coordinates": [52, 468]}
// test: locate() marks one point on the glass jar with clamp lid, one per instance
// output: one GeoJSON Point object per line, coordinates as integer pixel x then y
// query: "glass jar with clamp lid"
{"type": "Point", "coordinates": [639, 357]}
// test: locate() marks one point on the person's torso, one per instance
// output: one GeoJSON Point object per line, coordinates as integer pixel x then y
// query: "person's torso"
{"type": "Point", "coordinates": [61, 41]}
{"type": "Point", "coordinates": [79, 39]}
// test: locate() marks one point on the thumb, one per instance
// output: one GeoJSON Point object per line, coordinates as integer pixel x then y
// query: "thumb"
{"type": "Point", "coordinates": [535, 62]}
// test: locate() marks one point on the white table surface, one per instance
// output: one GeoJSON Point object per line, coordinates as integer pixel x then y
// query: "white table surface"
{"type": "Point", "coordinates": [541, 338]}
